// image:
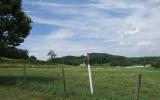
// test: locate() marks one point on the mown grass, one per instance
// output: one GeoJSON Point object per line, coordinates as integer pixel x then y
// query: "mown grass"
{"type": "Point", "coordinates": [47, 84]}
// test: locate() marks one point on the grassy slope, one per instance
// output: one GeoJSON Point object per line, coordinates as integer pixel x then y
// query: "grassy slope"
{"type": "Point", "coordinates": [109, 84]}
{"type": "Point", "coordinates": [5, 61]}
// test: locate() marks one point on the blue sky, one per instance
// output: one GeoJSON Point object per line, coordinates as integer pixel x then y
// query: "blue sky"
{"type": "Point", "coordinates": [75, 27]}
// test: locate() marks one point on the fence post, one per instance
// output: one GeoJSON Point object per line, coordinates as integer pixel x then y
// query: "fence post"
{"type": "Point", "coordinates": [24, 75]}
{"type": "Point", "coordinates": [90, 75]}
{"type": "Point", "coordinates": [138, 85]}
{"type": "Point", "coordinates": [64, 81]}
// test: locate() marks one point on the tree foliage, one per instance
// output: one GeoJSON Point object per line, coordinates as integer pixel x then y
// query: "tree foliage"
{"type": "Point", "coordinates": [15, 26]}
{"type": "Point", "coordinates": [52, 54]}
{"type": "Point", "coordinates": [69, 60]}
{"type": "Point", "coordinates": [103, 58]}
{"type": "Point", "coordinates": [14, 53]}
{"type": "Point", "coordinates": [156, 63]}
{"type": "Point", "coordinates": [32, 58]}
{"type": "Point", "coordinates": [14, 23]}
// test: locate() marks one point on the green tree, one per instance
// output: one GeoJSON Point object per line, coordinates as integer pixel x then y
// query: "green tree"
{"type": "Point", "coordinates": [15, 25]}
{"type": "Point", "coordinates": [32, 58]}
{"type": "Point", "coordinates": [52, 54]}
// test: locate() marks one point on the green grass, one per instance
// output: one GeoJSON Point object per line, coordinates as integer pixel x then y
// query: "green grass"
{"type": "Point", "coordinates": [109, 83]}
{"type": "Point", "coordinates": [5, 61]}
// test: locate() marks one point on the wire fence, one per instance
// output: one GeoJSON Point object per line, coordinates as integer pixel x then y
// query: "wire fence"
{"type": "Point", "coordinates": [108, 83]}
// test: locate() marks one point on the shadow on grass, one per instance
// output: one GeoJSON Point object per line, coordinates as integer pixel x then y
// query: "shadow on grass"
{"type": "Point", "coordinates": [12, 80]}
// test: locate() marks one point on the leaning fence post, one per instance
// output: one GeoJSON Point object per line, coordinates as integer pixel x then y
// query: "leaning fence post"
{"type": "Point", "coordinates": [138, 85]}
{"type": "Point", "coordinates": [24, 75]}
{"type": "Point", "coordinates": [64, 81]}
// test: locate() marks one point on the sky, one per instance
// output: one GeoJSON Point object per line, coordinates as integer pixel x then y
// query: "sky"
{"type": "Point", "coordinates": [76, 27]}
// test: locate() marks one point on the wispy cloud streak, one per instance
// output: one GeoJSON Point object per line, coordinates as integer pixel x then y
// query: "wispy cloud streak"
{"type": "Point", "coordinates": [122, 27]}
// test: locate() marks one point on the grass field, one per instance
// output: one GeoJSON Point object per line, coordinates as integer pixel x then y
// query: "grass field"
{"type": "Point", "coordinates": [47, 84]}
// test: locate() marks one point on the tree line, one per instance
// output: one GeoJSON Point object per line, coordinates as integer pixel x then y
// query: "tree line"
{"type": "Point", "coordinates": [14, 53]}
{"type": "Point", "coordinates": [107, 59]}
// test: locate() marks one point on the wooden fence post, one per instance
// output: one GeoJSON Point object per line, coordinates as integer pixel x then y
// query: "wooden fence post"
{"type": "Point", "coordinates": [24, 75]}
{"type": "Point", "coordinates": [64, 81]}
{"type": "Point", "coordinates": [138, 85]}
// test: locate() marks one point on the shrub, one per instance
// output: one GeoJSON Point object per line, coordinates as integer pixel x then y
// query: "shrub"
{"type": "Point", "coordinates": [156, 64]}
{"type": "Point", "coordinates": [14, 53]}
{"type": "Point", "coordinates": [32, 58]}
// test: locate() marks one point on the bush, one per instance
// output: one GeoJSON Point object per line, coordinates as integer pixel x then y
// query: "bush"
{"type": "Point", "coordinates": [156, 64]}
{"type": "Point", "coordinates": [14, 53]}
{"type": "Point", "coordinates": [32, 58]}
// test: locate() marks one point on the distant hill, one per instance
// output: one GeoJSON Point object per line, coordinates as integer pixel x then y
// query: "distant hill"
{"type": "Point", "coordinates": [104, 58]}
{"type": "Point", "coordinates": [95, 58]}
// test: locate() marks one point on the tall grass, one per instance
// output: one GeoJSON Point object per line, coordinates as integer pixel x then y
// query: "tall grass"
{"type": "Point", "coordinates": [109, 83]}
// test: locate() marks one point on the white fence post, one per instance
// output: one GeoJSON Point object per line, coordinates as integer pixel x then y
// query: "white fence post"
{"type": "Point", "coordinates": [90, 76]}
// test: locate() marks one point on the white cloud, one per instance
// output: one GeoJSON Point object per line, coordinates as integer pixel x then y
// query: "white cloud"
{"type": "Point", "coordinates": [59, 35]}
{"type": "Point", "coordinates": [119, 4]}
{"type": "Point", "coordinates": [93, 3]}
{"type": "Point", "coordinates": [132, 32]}
{"type": "Point", "coordinates": [135, 34]}
{"type": "Point", "coordinates": [54, 22]}
{"type": "Point", "coordinates": [147, 45]}
{"type": "Point", "coordinates": [128, 32]}
{"type": "Point", "coordinates": [143, 44]}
